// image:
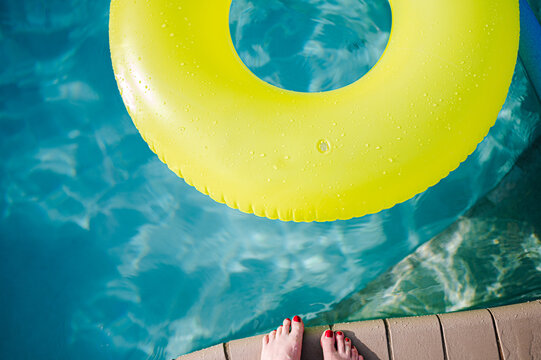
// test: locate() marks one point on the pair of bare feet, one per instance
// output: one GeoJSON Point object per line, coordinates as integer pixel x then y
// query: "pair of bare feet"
{"type": "Point", "coordinates": [285, 343]}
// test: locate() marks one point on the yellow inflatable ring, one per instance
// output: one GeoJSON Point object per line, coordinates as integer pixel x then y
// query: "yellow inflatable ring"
{"type": "Point", "coordinates": [425, 106]}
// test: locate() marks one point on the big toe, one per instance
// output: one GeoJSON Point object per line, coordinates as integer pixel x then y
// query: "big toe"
{"type": "Point", "coordinates": [327, 342]}
{"type": "Point", "coordinates": [297, 326]}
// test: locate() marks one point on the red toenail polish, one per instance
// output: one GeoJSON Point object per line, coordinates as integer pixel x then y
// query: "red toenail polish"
{"type": "Point", "coordinates": [296, 318]}
{"type": "Point", "coordinates": [287, 319]}
{"type": "Point", "coordinates": [347, 339]}
{"type": "Point", "coordinates": [339, 333]}
{"type": "Point", "coordinates": [328, 333]}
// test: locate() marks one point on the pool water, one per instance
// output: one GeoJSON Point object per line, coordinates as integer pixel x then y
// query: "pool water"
{"type": "Point", "coordinates": [313, 45]}
{"type": "Point", "coordinates": [491, 256]}
{"type": "Point", "coordinates": [106, 254]}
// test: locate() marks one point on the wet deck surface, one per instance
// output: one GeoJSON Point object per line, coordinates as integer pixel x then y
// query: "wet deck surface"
{"type": "Point", "coordinates": [506, 333]}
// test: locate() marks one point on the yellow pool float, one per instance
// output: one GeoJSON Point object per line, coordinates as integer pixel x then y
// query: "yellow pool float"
{"type": "Point", "coordinates": [424, 107]}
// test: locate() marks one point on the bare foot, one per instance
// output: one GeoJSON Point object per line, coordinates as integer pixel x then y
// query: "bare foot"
{"type": "Point", "coordinates": [284, 343]}
{"type": "Point", "coordinates": [338, 347]}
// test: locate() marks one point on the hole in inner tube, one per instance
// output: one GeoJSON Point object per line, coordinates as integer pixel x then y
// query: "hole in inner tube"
{"type": "Point", "coordinates": [310, 45]}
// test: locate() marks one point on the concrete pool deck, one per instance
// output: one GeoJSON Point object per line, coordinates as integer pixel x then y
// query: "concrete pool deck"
{"type": "Point", "coordinates": [507, 333]}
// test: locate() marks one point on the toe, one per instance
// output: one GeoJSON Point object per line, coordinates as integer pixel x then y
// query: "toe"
{"type": "Point", "coordinates": [265, 339]}
{"type": "Point", "coordinates": [272, 335]}
{"type": "Point", "coordinates": [340, 342]}
{"type": "Point", "coordinates": [347, 347]}
{"type": "Point", "coordinates": [327, 343]}
{"type": "Point", "coordinates": [286, 326]}
{"type": "Point", "coordinates": [297, 326]}
{"type": "Point", "coordinates": [361, 357]}
{"type": "Point", "coordinates": [354, 353]}
{"type": "Point", "coordinates": [279, 330]}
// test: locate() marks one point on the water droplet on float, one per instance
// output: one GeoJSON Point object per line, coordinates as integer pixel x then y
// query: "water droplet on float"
{"type": "Point", "coordinates": [323, 146]}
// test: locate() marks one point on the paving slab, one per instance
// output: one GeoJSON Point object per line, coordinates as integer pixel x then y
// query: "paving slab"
{"type": "Point", "coordinates": [250, 348]}
{"type": "Point", "coordinates": [245, 349]}
{"type": "Point", "coordinates": [469, 336]}
{"type": "Point", "coordinates": [369, 337]}
{"type": "Point", "coordinates": [212, 353]}
{"type": "Point", "coordinates": [415, 338]}
{"type": "Point", "coordinates": [311, 346]}
{"type": "Point", "coordinates": [519, 330]}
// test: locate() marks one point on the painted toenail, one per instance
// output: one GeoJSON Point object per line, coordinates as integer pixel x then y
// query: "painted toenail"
{"type": "Point", "coordinates": [296, 318]}
{"type": "Point", "coordinates": [347, 339]}
{"type": "Point", "coordinates": [328, 333]}
{"type": "Point", "coordinates": [287, 319]}
{"type": "Point", "coordinates": [339, 333]}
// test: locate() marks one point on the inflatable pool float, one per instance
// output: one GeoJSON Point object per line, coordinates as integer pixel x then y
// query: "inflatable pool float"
{"type": "Point", "coordinates": [413, 118]}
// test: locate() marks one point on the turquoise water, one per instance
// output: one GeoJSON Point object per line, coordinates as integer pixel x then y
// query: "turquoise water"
{"type": "Point", "coordinates": [105, 253]}
{"type": "Point", "coordinates": [312, 45]}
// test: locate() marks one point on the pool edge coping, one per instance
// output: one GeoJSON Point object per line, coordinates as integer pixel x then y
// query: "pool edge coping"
{"type": "Point", "coordinates": [491, 333]}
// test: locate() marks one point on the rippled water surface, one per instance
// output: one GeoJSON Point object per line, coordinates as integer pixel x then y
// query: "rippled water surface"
{"type": "Point", "coordinates": [105, 253]}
